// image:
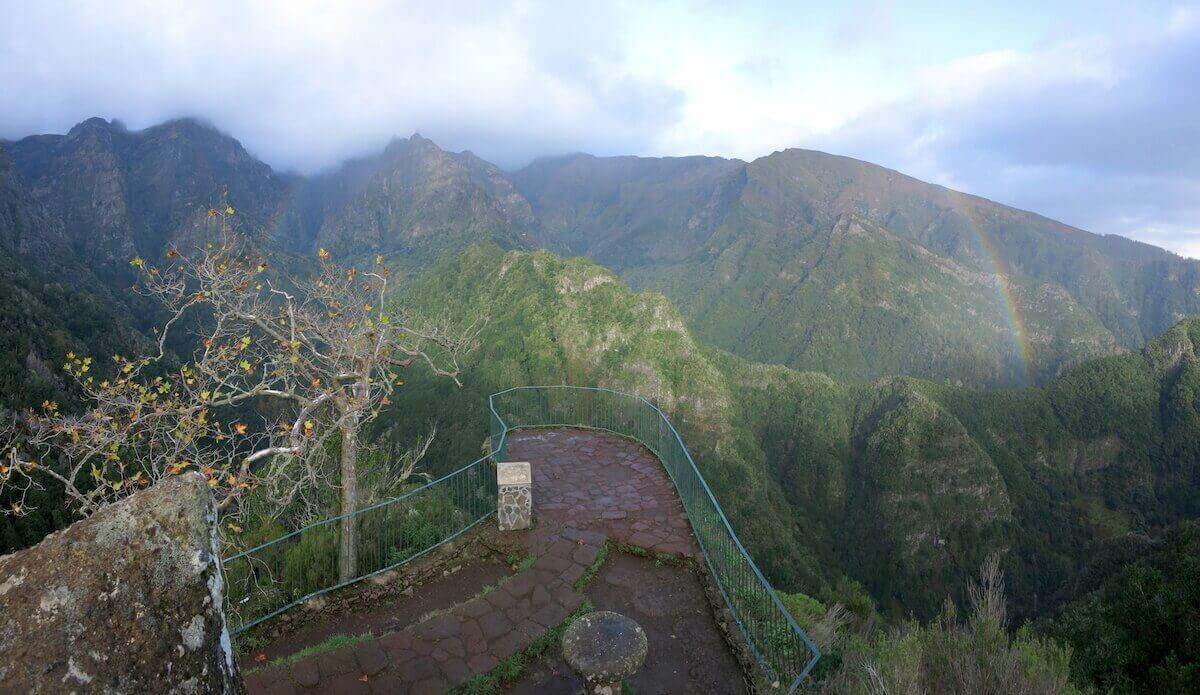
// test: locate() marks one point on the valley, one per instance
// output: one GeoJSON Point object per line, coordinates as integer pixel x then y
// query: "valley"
{"type": "Point", "coordinates": [885, 382]}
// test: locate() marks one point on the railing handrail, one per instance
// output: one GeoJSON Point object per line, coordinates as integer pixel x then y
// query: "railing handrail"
{"type": "Point", "coordinates": [816, 652]}
{"type": "Point", "coordinates": [408, 496]}
{"type": "Point", "coordinates": [356, 512]}
{"type": "Point", "coordinates": [497, 447]}
{"type": "Point", "coordinates": [813, 649]}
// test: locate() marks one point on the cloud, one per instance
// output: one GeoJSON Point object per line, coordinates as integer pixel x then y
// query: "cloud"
{"type": "Point", "coordinates": [1100, 130]}
{"type": "Point", "coordinates": [864, 21]}
{"type": "Point", "coordinates": [305, 85]}
{"type": "Point", "coordinates": [1102, 133]}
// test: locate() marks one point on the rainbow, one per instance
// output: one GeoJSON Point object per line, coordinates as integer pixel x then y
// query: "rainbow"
{"type": "Point", "coordinates": [999, 265]}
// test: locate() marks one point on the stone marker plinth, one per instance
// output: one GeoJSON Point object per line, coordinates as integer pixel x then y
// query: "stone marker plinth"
{"type": "Point", "coordinates": [514, 508]}
{"type": "Point", "coordinates": [605, 648]}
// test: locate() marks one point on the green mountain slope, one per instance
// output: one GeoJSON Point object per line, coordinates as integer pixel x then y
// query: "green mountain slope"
{"type": "Point", "coordinates": [800, 258]}
{"type": "Point", "coordinates": [901, 484]}
{"type": "Point", "coordinates": [120, 193]}
{"type": "Point", "coordinates": [1051, 476]}
{"type": "Point", "coordinates": [556, 321]}
{"type": "Point", "coordinates": [828, 263]}
{"type": "Point", "coordinates": [50, 305]}
{"type": "Point", "coordinates": [411, 203]}
{"type": "Point", "coordinates": [50, 302]}
{"type": "Point", "coordinates": [1135, 633]}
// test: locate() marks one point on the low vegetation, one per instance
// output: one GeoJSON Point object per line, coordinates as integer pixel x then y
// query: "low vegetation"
{"type": "Point", "coordinates": [971, 653]}
{"type": "Point", "coordinates": [1136, 632]}
{"type": "Point", "coordinates": [899, 487]}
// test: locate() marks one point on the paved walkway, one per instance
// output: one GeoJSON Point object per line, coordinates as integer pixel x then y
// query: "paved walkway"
{"type": "Point", "coordinates": [605, 483]}
{"type": "Point", "coordinates": [588, 487]}
{"type": "Point", "coordinates": [687, 652]}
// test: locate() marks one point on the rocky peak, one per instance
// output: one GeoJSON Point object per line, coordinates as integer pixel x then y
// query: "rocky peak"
{"type": "Point", "coordinates": [1168, 351]}
{"type": "Point", "coordinates": [418, 139]}
{"type": "Point", "coordinates": [96, 126]}
{"type": "Point", "coordinates": [121, 193]}
{"type": "Point", "coordinates": [415, 197]}
{"type": "Point", "coordinates": [412, 146]}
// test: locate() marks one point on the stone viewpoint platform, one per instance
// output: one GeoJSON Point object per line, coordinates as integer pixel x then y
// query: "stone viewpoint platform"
{"type": "Point", "coordinates": [609, 534]}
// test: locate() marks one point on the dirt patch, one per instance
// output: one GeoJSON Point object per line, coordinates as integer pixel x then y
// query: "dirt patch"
{"type": "Point", "coordinates": [688, 652]}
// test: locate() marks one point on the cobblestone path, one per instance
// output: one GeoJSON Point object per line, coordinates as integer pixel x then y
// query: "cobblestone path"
{"type": "Point", "coordinates": [588, 487]}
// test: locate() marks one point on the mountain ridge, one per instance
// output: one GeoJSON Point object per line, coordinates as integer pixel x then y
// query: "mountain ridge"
{"type": "Point", "coordinates": [802, 258]}
{"type": "Point", "coordinates": [862, 459]}
{"type": "Point", "coordinates": [901, 484]}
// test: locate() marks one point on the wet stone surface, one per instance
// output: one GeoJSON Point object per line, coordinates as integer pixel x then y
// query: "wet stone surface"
{"type": "Point", "coordinates": [686, 651]}
{"type": "Point", "coordinates": [589, 488]}
{"type": "Point", "coordinates": [604, 647]}
{"type": "Point", "coordinates": [605, 483]}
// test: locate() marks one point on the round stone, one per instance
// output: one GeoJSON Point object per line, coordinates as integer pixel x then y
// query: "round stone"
{"type": "Point", "coordinates": [604, 647]}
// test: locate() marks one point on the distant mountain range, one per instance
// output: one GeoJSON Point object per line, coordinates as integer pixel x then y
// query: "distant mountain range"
{"type": "Point", "coordinates": [825, 332]}
{"type": "Point", "coordinates": [799, 258]}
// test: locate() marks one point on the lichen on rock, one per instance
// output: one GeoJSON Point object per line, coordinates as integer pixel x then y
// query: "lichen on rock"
{"type": "Point", "coordinates": [125, 601]}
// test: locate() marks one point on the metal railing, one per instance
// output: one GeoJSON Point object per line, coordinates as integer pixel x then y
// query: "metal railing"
{"type": "Point", "coordinates": [268, 579]}
{"type": "Point", "coordinates": [780, 646]}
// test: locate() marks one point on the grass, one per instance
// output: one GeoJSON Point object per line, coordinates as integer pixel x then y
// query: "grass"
{"type": "Point", "coordinates": [330, 644]}
{"type": "Point", "coordinates": [519, 562]}
{"type": "Point", "coordinates": [659, 558]}
{"type": "Point", "coordinates": [248, 644]}
{"type": "Point", "coordinates": [510, 669]}
{"type": "Point", "coordinates": [593, 569]}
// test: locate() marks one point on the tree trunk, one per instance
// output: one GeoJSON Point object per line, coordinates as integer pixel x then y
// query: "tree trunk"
{"type": "Point", "coordinates": [348, 553]}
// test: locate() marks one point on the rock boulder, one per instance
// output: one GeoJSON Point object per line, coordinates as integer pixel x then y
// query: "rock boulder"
{"type": "Point", "coordinates": [125, 601]}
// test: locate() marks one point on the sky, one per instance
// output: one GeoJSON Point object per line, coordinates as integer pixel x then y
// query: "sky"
{"type": "Point", "coordinates": [1087, 112]}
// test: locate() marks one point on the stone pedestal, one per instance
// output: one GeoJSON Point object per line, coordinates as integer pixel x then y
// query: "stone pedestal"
{"type": "Point", "coordinates": [605, 648]}
{"type": "Point", "coordinates": [514, 508]}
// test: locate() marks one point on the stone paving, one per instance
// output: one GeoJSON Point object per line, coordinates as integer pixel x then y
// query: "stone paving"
{"type": "Point", "coordinates": [605, 483]}
{"type": "Point", "coordinates": [588, 487]}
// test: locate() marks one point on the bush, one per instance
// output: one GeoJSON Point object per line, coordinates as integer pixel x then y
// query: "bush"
{"type": "Point", "coordinates": [1137, 633]}
{"type": "Point", "coordinates": [949, 655]}
{"type": "Point", "coordinates": [311, 562]}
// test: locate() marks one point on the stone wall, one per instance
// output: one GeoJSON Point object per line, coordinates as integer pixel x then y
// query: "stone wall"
{"type": "Point", "coordinates": [125, 601]}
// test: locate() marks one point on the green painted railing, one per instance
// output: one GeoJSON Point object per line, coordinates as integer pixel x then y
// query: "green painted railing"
{"type": "Point", "coordinates": [270, 578]}
{"type": "Point", "coordinates": [781, 647]}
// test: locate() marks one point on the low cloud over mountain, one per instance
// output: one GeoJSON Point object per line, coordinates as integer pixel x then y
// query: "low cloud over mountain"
{"type": "Point", "coordinates": [1089, 116]}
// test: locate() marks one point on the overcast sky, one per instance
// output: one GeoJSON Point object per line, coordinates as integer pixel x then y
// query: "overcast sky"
{"type": "Point", "coordinates": [1085, 112]}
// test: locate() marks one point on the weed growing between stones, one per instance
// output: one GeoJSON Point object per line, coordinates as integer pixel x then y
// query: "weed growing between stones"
{"type": "Point", "coordinates": [334, 642]}
{"type": "Point", "coordinates": [510, 669]}
{"type": "Point", "coordinates": [593, 569]}
{"type": "Point", "coordinates": [660, 559]}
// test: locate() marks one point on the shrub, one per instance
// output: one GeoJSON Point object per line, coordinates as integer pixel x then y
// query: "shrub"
{"type": "Point", "coordinates": [949, 655]}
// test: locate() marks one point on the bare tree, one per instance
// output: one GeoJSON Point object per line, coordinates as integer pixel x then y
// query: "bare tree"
{"type": "Point", "coordinates": [313, 360]}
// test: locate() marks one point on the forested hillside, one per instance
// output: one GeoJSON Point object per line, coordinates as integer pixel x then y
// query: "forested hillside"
{"type": "Point", "coordinates": [832, 264]}
{"type": "Point", "coordinates": [800, 258]}
{"type": "Point", "coordinates": [820, 329]}
{"type": "Point", "coordinates": [901, 484]}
